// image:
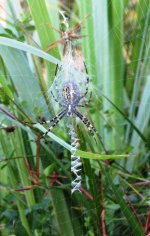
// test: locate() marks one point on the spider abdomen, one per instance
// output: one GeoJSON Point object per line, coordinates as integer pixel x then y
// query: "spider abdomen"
{"type": "Point", "coordinates": [71, 93]}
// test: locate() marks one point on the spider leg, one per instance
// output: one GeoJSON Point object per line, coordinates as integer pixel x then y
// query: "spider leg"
{"type": "Point", "coordinates": [87, 82]}
{"type": "Point", "coordinates": [54, 44]}
{"type": "Point", "coordinates": [78, 26]}
{"type": "Point", "coordinates": [91, 128]}
{"type": "Point", "coordinates": [56, 119]}
{"type": "Point", "coordinates": [86, 70]}
{"type": "Point", "coordinates": [58, 116]}
{"type": "Point", "coordinates": [46, 122]}
{"type": "Point", "coordinates": [56, 72]}
{"type": "Point", "coordinates": [57, 67]}
{"type": "Point", "coordinates": [55, 99]}
{"type": "Point", "coordinates": [87, 103]}
{"type": "Point", "coordinates": [56, 85]}
{"type": "Point", "coordinates": [87, 85]}
{"type": "Point", "coordinates": [85, 120]}
{"type": "Point", "coordinates": [34, 123]}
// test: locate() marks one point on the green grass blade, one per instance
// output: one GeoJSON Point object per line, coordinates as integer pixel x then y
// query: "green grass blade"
{"type": "Point", "coordinates": [11, 180]}
{"type": "Point", "coordinates": [79, 152]}
{"type": "Point", "coordinates": [96, 156]}
{"type": "Point", "coordinates": [54, 137]}
{"type": "Point", "coordinates": [101, 45]}
{"type": "Point", "coordinates": [88, 41]}
{"type": "Point", "coordinates": [139, 52]}
{"type": "Point", "coordinates": [63, 218]}
{"type": "Point", "coordinates": [27, 48]}
{"type": "Point", "coordinates": [116, 11]}
{"type": "Point", "coordinates": [22, 78]}
{"type": "Point", "coordinates": [45, 32]}
{"type": "Point", "coordinates": [143, 115]}
{"type": "Point", "coordinates": [43, 24]}
{"type": "Point", "coordinates": [141, 121]}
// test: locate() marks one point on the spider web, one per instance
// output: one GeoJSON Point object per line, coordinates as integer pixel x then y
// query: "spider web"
{"type": "Point", "coordinates": [67, 73]}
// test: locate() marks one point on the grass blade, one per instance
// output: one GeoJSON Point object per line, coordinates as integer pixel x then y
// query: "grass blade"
{"type": "Point", "coordinates": [45, 32]}
{"type": "Point", "coordinates": [27, 48]}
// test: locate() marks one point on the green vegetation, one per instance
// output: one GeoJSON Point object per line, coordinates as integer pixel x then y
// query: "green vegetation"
{"type": "Point", "coordinates": [114, 195]}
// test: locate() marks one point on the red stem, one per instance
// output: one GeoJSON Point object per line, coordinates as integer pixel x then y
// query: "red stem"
{"type": "Point", "coordinates": [82, 190]}
{"type": "Point", "coordinates": [142, 183]}
{"type": "Point", "coordinates": [133, 210]}
{"type": "Point", "coordinates": [147, 226]}
{"type": "Point", "coordinates": [101, 203]}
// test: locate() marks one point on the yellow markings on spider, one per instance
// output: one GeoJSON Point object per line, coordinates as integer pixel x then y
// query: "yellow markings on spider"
{"type": "Point", "coordinates": [68, 92]}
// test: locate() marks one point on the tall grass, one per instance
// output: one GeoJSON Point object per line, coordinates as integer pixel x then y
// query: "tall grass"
{"type": "Point", "coordinates": [116, 51]}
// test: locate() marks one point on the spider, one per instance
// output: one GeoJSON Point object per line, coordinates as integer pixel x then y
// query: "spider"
{"type": "Point", "coordinates": [70, 101]}
{"type": "Point", "coordinates": [67, 35]}
{"type": "Point", "coordinates": [70, 91]}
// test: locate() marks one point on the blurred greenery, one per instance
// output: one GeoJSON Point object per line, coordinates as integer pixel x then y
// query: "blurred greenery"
{"type": "Point", "coordinates": [114, 197]}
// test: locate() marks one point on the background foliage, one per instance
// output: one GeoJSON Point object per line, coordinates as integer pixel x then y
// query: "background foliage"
{"type": "Point", "coordinates": [115, 194]}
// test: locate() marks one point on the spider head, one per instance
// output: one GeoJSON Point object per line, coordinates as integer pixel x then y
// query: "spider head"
{"type": "Point", "coordinates": [70, 110]}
